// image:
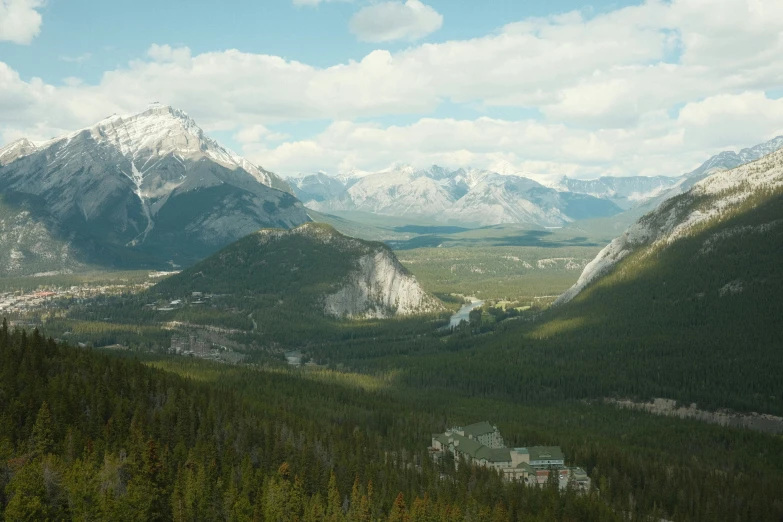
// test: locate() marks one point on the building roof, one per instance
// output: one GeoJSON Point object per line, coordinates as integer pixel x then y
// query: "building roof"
{"type": "Point", "coordinates": [493, 454]}
{"type": "Point", "coordinates": [478, 429]}
{"type": "Point", "coordinates": [441, 437]}
{"type": "Point", "coordinates": [473, 448]}
{"type": "Point", "coordinates": [525, 466]}
{"type": "Point", "coordinates": [465, 445]}
{"type": "Point", "coordinates": [546, 453]}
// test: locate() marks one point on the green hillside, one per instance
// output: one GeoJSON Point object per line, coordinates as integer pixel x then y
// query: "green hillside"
{"type": "Point", "coordinates": [698, 319]}
{"type": "Point", "coordinates": [274, 265]}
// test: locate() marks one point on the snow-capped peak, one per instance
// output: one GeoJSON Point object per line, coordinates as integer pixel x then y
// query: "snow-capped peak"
{"type": "Point", "coordinates": [16, 150]}
{"type": "Point", "coordinates": [159, 131]}
{"type": "Point", "coordinates": [505, 168]}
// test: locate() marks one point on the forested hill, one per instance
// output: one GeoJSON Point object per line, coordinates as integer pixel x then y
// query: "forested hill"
{"type": "Point", "coordinates": [312, 267]}
{"type": "Point", "coordinates": [696, 319]}
{"type": "Point", "coordinates": [88, 437]}
{"type": "Point", "coordinates": [698, 295]}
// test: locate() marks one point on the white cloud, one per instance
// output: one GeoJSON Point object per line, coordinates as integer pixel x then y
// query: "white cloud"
{"type": "Point", "coordinates": [20, 20]}
{"type": "Point", "coordinates": [726, 120]}
{"type": "Point", "coordinates": [395, 20]}
{"type": "Point", "coordinates": [166, 53]}
{"type": "Point", "coordinates": [657, 145]}
{"type": "Point", "coordinates": [258, 133]}
{"type": "Point", "coordinates": [608, 87]}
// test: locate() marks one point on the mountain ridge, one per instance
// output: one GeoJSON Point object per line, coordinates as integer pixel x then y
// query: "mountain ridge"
{"type": "Point", "coordinates": [710, 201]}
{"type": "Point", "coordinates": [437, 192]}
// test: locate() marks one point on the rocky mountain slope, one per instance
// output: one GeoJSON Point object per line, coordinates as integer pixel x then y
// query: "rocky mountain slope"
{"type": "Point", "coordinates": [148, 188]}
{"type": "Point", "coordinates": [458, 196]}
{"type": "Point", "coordinates": [708, 211]}
{"type": "Point", "coordinates": [498, 199]}
{"type": "Point", "coordinates": [625, 192]}
{"type": "Point", "coordinates": [312, 267]}
{"type": "Point", "coordinates": [32, 244]}
{"type": "Point", "coordinates": [722, 161]}
{"type": "Point", "coordinates": [473, 196]}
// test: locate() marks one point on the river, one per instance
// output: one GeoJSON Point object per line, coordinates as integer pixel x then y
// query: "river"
{"type": "Point", "coordinates": [464, 313]}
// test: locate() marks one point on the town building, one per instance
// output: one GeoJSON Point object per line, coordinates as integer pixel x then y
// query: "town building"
{"type": "Point", "coordinates": [192, 344]}
{"type": "Point", "coordinates": [481, 444]}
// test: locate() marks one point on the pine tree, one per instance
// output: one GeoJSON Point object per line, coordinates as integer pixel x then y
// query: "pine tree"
{"type": "Point", "coordinates": [399, 511]}
{"type": "Point", "coordinates": [334, 508]}
{"type": "Point", "coordinates": [43, 431]}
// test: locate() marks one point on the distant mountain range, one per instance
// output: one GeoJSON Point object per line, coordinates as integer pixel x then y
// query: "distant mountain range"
{"type": "Point", "coordinates": [450, 196]}
{"type": "Point", "coordinates": [472, 196]}
{"type": "Point", "coordinates": [140, 190]}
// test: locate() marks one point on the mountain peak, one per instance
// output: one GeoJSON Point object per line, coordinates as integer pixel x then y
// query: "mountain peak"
{"type": "Point", "coordinates": [159, 131]}
{"type": "Point", "coordinates": [15, 150]}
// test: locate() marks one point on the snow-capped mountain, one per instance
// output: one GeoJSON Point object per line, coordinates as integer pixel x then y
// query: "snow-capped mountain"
{"type": "Point", "coordinates": [400, 191]}
{"type": "Point", "coordinates": [625, 192]}
{"type": "Point", "coordinates": [150, 186]}
{"type": "Point", "coordinates": [500, 198]}
{"type": "Point", "coordinates": [465, 195]}
{"type": "Point", "coordinates": [730, 159]}
{"type": "Point", "coordinates": [710, 203]}
{"type": "Point", "coordinates": [351, 177]}
{"type": "Point", "coordinates": [503, 194]}
{"type": "Point", "coordinates": [722, 161]}
{"type": "Point", "coordinates": [314, 189]}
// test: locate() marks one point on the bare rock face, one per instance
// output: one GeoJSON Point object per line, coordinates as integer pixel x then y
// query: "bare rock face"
{"type": "Point", "coordinates": [379, 287]}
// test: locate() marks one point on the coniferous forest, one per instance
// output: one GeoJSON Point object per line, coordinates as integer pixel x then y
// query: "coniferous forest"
{"type": "Point", "coordinates": [86, 436]}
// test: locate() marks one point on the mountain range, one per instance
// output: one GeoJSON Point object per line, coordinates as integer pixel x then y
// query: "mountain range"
{"type": "Point", "coordinates": [140, 190]}
{"type": "Point", "coordinates": [483, 197]}
{"type": "Point", "coordinates": [469, 196]}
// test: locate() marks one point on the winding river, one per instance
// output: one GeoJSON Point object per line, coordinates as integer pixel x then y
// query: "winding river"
{"type": "Point", "coordinates": [464, 313]}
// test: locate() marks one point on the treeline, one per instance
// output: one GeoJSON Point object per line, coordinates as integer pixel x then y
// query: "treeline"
{"type": "Point", "coordinates": [88, 437]}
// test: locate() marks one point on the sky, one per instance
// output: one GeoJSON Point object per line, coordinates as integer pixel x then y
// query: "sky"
{"type": "Point", "coordinates": [543, 88]}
